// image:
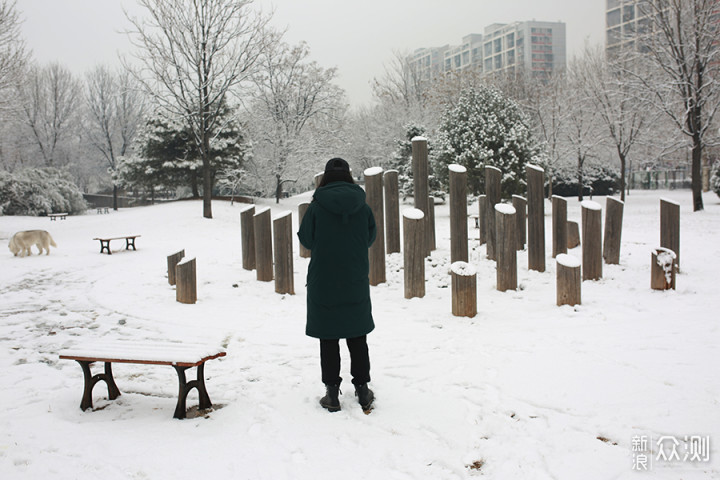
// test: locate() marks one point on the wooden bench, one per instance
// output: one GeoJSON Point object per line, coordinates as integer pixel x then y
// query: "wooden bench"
{"type": "Point", "coordinates": [180, 356]}
{"type": "Point", "coordinates": [105, 242]}
{"type": "Point", "coordinates": [103, 210]}
{"type": "Point", "coordinates": [55, 216]}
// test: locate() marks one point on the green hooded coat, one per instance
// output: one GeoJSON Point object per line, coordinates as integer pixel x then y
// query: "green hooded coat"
{"type": "Point", "coordinates": [338, 228]}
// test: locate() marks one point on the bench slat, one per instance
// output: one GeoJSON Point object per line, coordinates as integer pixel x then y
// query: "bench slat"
{"type": "Point", "coordinates": [180, 354]}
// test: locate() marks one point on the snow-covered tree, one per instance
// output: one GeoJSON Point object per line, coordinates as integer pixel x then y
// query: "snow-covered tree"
{"type": "Point", "coordinates": [39, 191]}
{"type": "Point", "coordinates": [192, 54]}
{"type": "Point", "coordinates": [295, 117]}
{"type": "Point", "coordinates": [485, 128]}
{"type": "Point", "coordinates": [715, 178]}
{"type": "Point", "coordinates": [13, 54]}
{"type": "Point", "coordinates": [49, 99]}
{"type": "Point", "coordinates": [114, 114]}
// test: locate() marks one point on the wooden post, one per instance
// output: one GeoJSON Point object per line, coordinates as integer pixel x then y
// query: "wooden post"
{"type": "Point", "coordinates": [392, 211]}
{"type": "Point", "coordinates": [591, 240]}
{"type": "Point", "coordinates": [318, 179]}
{"type": "Point", "coordinates": [492, 197]}
{"type": "Point", "coordinates": [458, 214]}
{"type": "Point", "coordinates": [670, 227]}
{"type": "Point", "coordinates": [420, 186]}
{"type": "Point", "coordinates": [302, 208]}
{"type": "Point", "coordinates": [520, 205]}
{"type": "Point", "coordinates": [464, 289]}
{"type": "Point", "coordinates": [173, 260]}
{"type": "Point", "coordinates": [559, 225]}
{"type": "Point", "coordinates": [506, 253]}
{"type": "Point", "coordinates": [247, 233]}
{"type": "Point", "coordinates": [662, 269]}
{"type": "Point", "coordinates": [431, 224]}
{"type": "Point", "coordinates": [374, 198]}
{"type": "Point", "coordinates": [414, 253]}
{"type": "Point", "coordinates": [186, 276]}
{"type": "Point", "coordinates": [568, 283]}
{"type": "Point", "coordinates": [263, 245]}
{"type": "Point", "coordinates": [573, 234]}
{"type": "Point", "coordinates": [282, 243]}
{"type": "Point", "coordinates": [536, 217]}
{"type": "Point", "coordinates": [613, 230]}
{"type": "Point", "coordinates": [481, 217]}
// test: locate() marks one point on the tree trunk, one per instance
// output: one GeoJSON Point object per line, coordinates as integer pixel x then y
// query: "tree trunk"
{"type": "Point", "coordinates": [622, 177]}
{"type": "Point", "coordinates": [207, 178]}
{"type": "Point", "coordinates": [697, 173]}
{"type": "Point", "coordinates": [115, 201]}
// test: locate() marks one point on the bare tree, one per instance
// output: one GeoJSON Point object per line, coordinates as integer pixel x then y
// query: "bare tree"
{"type": "Point", "coordinates": [682, 41]}
{"type": "Point", "coordinates": [192, 54]}
{"type": "Point", "coordinates": [401, 84]}
{"type": "Point", "coordinates": [621, 107]}
{"type": "Point", "coordinates": [114, 114]}
{"type": "Point", "coordinates": [581, 130]}
{"type": "Point", "coordinates": [13, 54]}
{"type": "Point", "coordinates": [298, 108]}
{"type": "Point", "coordinates": [49, 99]}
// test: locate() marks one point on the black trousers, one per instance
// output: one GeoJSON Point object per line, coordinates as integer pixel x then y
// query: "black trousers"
{"type": "Point", "coordinates": [359, 360]}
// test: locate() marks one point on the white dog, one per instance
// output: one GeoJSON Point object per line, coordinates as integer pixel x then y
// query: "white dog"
{"type": "Point", "coordinates": [21, 242]}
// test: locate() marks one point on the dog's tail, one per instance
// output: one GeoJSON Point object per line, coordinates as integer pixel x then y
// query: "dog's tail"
{"type": "Point", "coordinates": [52, 242]}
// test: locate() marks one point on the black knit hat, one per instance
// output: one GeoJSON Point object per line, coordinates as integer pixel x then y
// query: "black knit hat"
{"type": "Point", "coordinates": [337, 165]}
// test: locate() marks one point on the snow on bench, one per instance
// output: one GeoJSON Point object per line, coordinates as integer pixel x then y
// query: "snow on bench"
{"type": "Point", "coordinates": [105, 242]}
{"type": "Point", "coordinates": [180, 356]}
{"type": "Point", "coordinates": [55, 216]}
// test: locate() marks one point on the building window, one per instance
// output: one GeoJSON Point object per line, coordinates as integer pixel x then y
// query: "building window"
{"type": "Point", "coordinates": [466, 58]}
{"type": "Point", "coordinates": [488, 49]}
{"type": "Point", "coordinates": [613, 18]}
{"type": "Point", "coordinates": [488, 64]}
{"type": "Point", "coordinates": [510, 40]}
{"type": "Point", "coordinates": [628, 13]}
{"type": "Point", "coordinates": [498, 62]}
{"type": "Point", "coordinates": [457, 61]}
{"type": "Point", "coordinates": [448, 64]}
{"type": "Point", "coordinates": [511, 57]}
{"type": "Point", "coordinates": [498, 45]}
{"type": "Point", "coordinates": [613, 36]}
{"type": "Point", "coordinates": [612, 4]}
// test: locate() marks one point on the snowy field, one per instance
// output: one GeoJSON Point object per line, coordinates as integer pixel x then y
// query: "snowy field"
{"type": "Point", "coordinates": [525, 389]}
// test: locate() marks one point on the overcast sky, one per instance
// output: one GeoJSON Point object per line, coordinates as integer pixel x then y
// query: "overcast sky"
{"type": "Point", "coordinates": [357, 37]}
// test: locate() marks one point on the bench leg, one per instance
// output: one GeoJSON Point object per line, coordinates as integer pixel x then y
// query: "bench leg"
{"type": "Point", "coordinates": [105, 245]}
{"type": "Point", "coordinates": [90, 381]}
{"type": "Point", "coordinates": [129, 242]}
{"type": "Point", "coordinates": [185, 387]}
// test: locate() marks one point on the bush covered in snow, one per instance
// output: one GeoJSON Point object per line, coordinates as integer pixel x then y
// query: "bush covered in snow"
{"type": "Point", "coordinates": [39, 191]}
{"type": "Point", "coordinates": [597, 180]}
{"type": "Point", "coordinates": [715, 178]}
{"type": "Point", "coordinates": [402, 162]}
{"type": "Point", "coordinates": [486, 128]}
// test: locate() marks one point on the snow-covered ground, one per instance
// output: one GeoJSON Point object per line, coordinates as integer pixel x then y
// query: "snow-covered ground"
{"type": "Point", "coordinates": [525, 389]}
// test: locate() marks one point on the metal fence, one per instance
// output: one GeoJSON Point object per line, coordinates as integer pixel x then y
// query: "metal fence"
{"type": "Point", "coordinates": [660, 179]}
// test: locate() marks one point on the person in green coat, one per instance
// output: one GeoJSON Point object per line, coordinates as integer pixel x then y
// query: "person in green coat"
{"type": "Point", "coordinates": [338, 228]}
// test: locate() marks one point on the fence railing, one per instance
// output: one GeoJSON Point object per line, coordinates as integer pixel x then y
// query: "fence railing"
{"type": "Point", "coordinates": [660, 179]}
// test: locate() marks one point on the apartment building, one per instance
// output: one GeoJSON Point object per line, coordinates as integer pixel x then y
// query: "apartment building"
{"type": "Point", "coordinates": [532, 46]}
{"type": "Point", "coordinates": [624, 24]}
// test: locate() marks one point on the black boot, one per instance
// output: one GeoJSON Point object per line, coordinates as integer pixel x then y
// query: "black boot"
{"type": "Point", "coordinates": [365, 396]}
{"type": "Point", "coordinates": [330, 401]}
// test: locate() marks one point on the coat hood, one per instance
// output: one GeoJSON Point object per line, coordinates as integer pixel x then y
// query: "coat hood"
{"type": "Point", "coordinates": [341, 198]}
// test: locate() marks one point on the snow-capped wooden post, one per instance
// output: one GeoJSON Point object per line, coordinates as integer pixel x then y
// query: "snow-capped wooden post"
{"type": "Point", "coordinates": [420, 186]}
{"type": "Point", "coordinates": [392, 211]}
{"type": "Point", "coordinates": [613, 230]}
{"type": "Point", "coordinates": [493, 176]}
{"type": "Point", "coordinates": [505, 251]}
{"type": "Point", "coordinates": [573, 234]}
{"type": "Point", "coordinates": [172, 261]}
{"type": "Point", "coordinates": [568, 283]}
{"type": "Point", "coordinates": [414, 252]}
{"type": "Point", "coordinates": [670, 227]}
{"type": "Point", "coordinates": [536, 217]}
{"type": "Point", "coordinates": [591, 240]}
{"type": "Point", "coordinates": [318, 178]}
{"type": "Point", "coordinates": [263, 245]}
{"type": "Point", "coordinates": [186, 277]}
{"type": "Point", "coordinates": [481, 217]}
{"type": "Point", "coordinates": [374, 198]}
{"type": "Point", "coordinates": [464, 289]}
{"type": "Point", "coordinates": [662, 269]}
{"type": "Point", "coordinates": [559, 225]}
{"type": "Point", "coordinates": [282, 247]}
{"type": "Point", "coordinates": [520, 205]}
{"type": "Point", "coordinates": [302, 208]}
{"type": "Point", "coordinates": [247, 234]}
{"type": "Point", "coordinates": [458, 214]}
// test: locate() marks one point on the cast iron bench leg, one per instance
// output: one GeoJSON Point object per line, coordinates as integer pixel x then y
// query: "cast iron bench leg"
{"type": "Point", "coordinates": [185, 387]}
{"type": "Point", "coordinates": [105, 245]}
{"type": "Point", "coordinates": [130, 242]}
{"type": "Point", "coordinates": [90, 381]}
